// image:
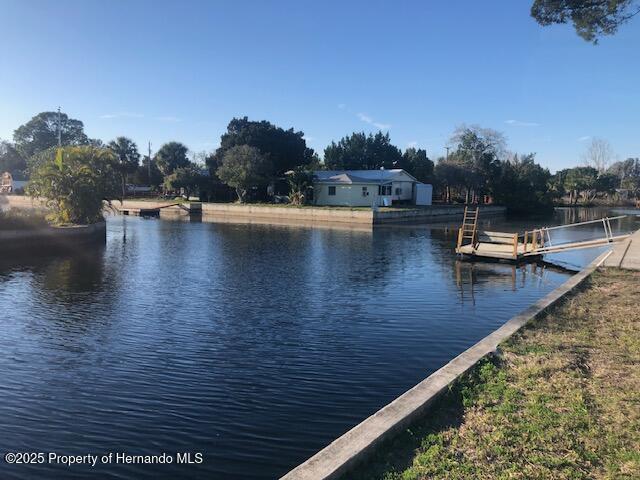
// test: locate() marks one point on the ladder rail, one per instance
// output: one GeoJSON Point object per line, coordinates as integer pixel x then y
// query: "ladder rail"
{"type": "Point", "coordinates": [469, 228]}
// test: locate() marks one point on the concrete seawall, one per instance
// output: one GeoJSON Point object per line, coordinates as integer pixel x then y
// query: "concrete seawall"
{"type": "Point", "coordinates": [20, 201]}
{"type": "Point", "coordinates": [47, 237]}
{"type": "Point", "coordinates": [342, 214]}
{"type": "Point", "coordinates": [291, 214]}
{"type": "Point", "coordinates": [42, 238]}
{"type": "Point", "coordinates": [308, 215]}
{"type": "Point", "coordinates": [357, 444]}
{"type": "Point", "coordinates": [433, 213]}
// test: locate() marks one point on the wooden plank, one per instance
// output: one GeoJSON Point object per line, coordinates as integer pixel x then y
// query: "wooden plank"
{"type": "Point", "coordinates": [496, 240]}
{"type": "Point", "coordinates": [497, 234]}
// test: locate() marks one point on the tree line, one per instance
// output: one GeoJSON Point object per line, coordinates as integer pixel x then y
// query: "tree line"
{"type": "Point", "coordinates": [256, 160]}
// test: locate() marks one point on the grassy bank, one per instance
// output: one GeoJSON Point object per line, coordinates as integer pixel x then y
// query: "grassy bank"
{"type": "Point", "coordinates": [561, 401]}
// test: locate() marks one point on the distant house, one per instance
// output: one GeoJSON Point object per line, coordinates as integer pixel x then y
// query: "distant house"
{"type": "Point", "coordinates": [366, 188]}
{"type": "Point", "coordinates": [8, 184]}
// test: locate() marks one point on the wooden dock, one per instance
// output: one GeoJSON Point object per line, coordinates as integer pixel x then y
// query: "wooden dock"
{"type": "Point", "coordinates": [153, 210]}
{"type": "Point", "coordinates": [528, 246]}
{"type": "Point", "coordinates": [140, 212]}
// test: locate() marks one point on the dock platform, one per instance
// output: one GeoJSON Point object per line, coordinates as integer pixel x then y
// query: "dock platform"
{"type": "Point", "coordinates": [139, 209]}
{"type": "Point", "coordinates": [140, 212]}
{"type": "Point", "coordinates": [528, 246]}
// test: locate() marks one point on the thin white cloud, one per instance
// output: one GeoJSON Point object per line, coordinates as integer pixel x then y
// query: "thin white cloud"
{"type": "Point", "coordinates": [168, 118]}
{"type": "Point", "coordinates": [342, 106]}
{"type": "Point", "coordinates": [584, 138]}
{"type": "Point", "coordinates": [519, 123]}
{"type": "Point", "coordinates": [122, 115]}
{"type": "Point", "coordinates": [367, 119]}
{"type": "Point", "coordinates": [309, 139]}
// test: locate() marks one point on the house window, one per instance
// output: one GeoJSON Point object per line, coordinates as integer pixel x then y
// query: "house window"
{"type": "Point", "coordinates": [332, 190]}
{"type": "Point", "coordinates": [398, 191]}
{"type": "Point", "coordinates": [364, 191]}
{"type": "Point", "coordinates": [384, 190]}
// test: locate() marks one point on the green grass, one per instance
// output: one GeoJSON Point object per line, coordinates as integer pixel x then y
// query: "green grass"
{"type": "Point", "coordinates": [562, 401]}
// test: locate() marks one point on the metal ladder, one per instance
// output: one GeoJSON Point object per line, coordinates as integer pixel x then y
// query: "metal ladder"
{"type": "Point", "coordinates": [469, 227]}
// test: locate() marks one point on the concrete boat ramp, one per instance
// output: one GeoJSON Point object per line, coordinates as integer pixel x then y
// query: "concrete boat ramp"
{"type": "Point", "coordinates": [626, 254]}
{"type": "Point", "coordinates": [528, 246]}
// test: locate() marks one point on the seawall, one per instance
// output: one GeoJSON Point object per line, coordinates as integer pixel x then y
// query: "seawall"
{"type": "Point", "coordinates": [307, 215]}
{"type": "Point", "coordinates": [352, 448]}
{"type": "Point", "coordinates": [432, 213]}
{"type": "Point", "coordinates": [48, 238]}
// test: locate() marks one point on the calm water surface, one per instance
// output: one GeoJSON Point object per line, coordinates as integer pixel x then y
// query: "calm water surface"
{"type": "Point", "coordinates": [256, 345]}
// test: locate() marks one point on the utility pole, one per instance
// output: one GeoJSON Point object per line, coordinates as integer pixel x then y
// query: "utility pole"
{"type": "Point", "coordinates": [59, 129]}
{"type": "Point", "coordinates": [149, 166]}
{"type": "Point", "coordinates": [447, 148]}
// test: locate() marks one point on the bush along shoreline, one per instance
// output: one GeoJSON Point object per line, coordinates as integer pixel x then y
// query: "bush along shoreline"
{"type": "Point", "coordinates": [72, 183]}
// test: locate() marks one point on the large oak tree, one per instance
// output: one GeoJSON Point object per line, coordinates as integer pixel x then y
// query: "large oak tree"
{"type": "Point", "coordinates": [172, 155]}
{"type": "Point", "coordinates": [285, 149]}
{"type": "Point", "coordinates": [244, 167]}
{"type": "Point", "coordinates": [362, 152]}
{"type": "Point", "coordinates": [41, 133]}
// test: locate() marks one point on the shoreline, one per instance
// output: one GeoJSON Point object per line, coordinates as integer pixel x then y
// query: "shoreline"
{"type": "Point", "coordinates": [557, 400]}
{"type": "Point", "coordinates": [286, 214]}
{"type": "Point", "coordinates": [53, 238]}
{"type": "Point", "coordinates": [358, 444]}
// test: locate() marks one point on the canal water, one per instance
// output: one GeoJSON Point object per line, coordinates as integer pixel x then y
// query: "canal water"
{"type": "Point", "coordinates": [254, 345]}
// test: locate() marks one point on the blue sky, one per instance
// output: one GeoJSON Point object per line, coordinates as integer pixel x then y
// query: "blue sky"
{"type": "Point", "coordinates": [163, 71]}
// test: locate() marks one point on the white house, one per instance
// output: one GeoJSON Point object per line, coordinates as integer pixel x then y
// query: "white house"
{"type": "Point", "coordinates": [366, 188]}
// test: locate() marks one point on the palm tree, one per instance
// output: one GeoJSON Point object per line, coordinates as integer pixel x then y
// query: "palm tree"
{"type": "Point", "coordinates": [127, 157]}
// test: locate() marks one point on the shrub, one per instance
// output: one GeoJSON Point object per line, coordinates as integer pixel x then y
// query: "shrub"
{"type": "Point", "coordinates": [74, 182]}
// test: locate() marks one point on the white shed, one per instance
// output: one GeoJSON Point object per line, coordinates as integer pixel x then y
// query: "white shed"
{"type": "Point", "coordinates": [423, 194]}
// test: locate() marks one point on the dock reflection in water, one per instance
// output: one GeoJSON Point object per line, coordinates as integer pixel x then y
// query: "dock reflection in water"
{"type": "Point", "coordinates": [513, 277]}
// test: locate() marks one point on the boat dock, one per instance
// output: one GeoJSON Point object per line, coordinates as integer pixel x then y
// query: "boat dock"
{"type": "Point", "coordinates": [153, 210]}
{"type": "Point", "coordinates": [527, 246]}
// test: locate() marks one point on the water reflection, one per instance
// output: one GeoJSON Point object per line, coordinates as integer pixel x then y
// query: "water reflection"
{"type": "Point", "coordinates": [256, 344]}
{"type": "Point", "coordinates": [468, 275]}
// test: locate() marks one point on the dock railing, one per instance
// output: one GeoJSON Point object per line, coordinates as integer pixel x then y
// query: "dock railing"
{"type": "Point", "coordinates": [541, 241]}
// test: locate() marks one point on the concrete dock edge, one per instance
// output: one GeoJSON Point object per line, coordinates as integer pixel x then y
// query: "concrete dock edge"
{"type": "Point", "coordinates": [344, 453]}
